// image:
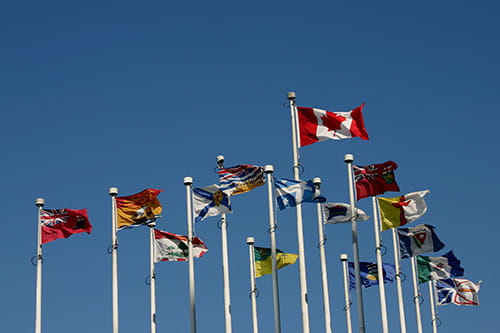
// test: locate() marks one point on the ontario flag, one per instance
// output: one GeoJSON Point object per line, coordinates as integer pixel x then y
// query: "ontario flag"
{"type": "Point", "coordinates": [375, 179]}
{"type": "Point", "coordinates": [62, 223]}
{"type": "Point", "coordinates": [319, 125]}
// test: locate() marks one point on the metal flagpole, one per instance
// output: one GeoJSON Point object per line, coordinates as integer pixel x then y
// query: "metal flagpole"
{"type": "Point", "coordinates": [113, 191]}
{"type": "Point", "coordinates": [416, 294]}
{"type": "Point", "coordinates": [188, 182]}
{"type": "Point", "coordinates": [38, 304]}
{"type": "Point", "coordinates": [343, 259]}
{"type": "Point", "coordinates": [225, 263]}
{"type": "Point", "coordinates": [300, 232]}
{"type": "Point", "coordinates": [433, 306]}
{"type": "Point", "coordinates": [399, 289]}
{"type": "Point", "coordinates": [253, 291]}
{"type": "Point", "coordinates": [380, 267]}
{"type": "Point", "coordinates": [152, 276]}
{"type": "Point", "coordinates": [268, 169]}
{"type": "Point", "coordinates": [322, 258]}
{"type": "Point", "coordinates": [348, 159]}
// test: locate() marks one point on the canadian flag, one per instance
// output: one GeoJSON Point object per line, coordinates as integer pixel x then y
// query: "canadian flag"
{"type": "Point", "coordinates": [319, 125]}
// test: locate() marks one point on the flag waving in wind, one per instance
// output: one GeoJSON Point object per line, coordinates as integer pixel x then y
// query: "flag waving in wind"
{"type": "Point", "coordinates": [263, 263]}
{"type": "Point", "coordinates": [292, 192]}
{"type": "Point", "coordinates": [138, 209]}
{"type": "Point", "coordinates": [172, 247]}
{"type": "Point", "coordinates": [369, 274]}
{"type": "Point", "coordinates": [398, 211]}
{"type": "Point", "coordinates": [375, 179]}
{"type": "Point", "coordinates": [210, 201]}
{"type": "Point", "coordinates": [341, 213]}
{"type": "Point", "coordinates": [437, 268]}
{"type": "Point", "coordinates": [418, 240]}
{"type": "Point", "coordinates": [62, 223]}
{"type": "Point", "coordinates": [319, 125]}
{"type": "Point", "coordinates": [241, 178]}
{"type": "Point", "coordinates": [457, 291]}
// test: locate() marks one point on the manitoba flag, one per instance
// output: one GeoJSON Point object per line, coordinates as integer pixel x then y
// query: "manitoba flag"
{"type": "Point", "coordinates": [62, 223]}
{"type": "Point", "coordinates": [319, 125]}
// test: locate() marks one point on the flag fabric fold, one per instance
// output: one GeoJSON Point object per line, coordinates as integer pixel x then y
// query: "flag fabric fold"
{"type": "Point", "coordinates": [398, 211]}
{"type": "Point", "coordinates": [291, 192]}
{"type": "Point", "coordinates": [138, 209]}
{"type": "Point", "coordinates": [318, 125]}
{"type": "Point", "coordinates": [457, 291]}
{"type": "Point", "coordinates": [369, 274]}
{"type": "Point", "coordinates": [62, 223]}
{"type": "Point", "coordinates": [263, 260]}
{"type": "Point", "coordinates": [437, 268]}
{"type": "Point", "coordinates": [375, 179]}
{"type": "Point", "coordinates": [172, 247]}
{"type": "Point", "coordinates": [241, 178]}
{"type": "Point", "coordinates": [418, 240]}
{"type": "Point", "coordinates": [336, 212]}
{"type": "Point", "coordinates": [210, 201]}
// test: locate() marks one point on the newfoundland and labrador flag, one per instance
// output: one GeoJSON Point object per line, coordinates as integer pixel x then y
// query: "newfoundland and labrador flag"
{"type": "Point", "coordinates": [62, 223]}
{"type": "Point", "coordinates": [241, 178]}
{"type": "Point", "coordinates": [418, 240]}
{"type": "Point", "coordinates": [437, 268]}
{"type": "Point", "coordinates": [369, 274]}
{"type": "Point", "coordinates": [172, 247]}
{"type": "Point", "coordinates": [290, 192]}
{"type": "Point", "coordinates": [337, 212]}
{"type": "Point", "coordinates": [210, 201]}
{"type": "Point", "coordinates": [319, 125]}
{"type": "Point", "coordinates": [398, 211]}
{"type": "Point", "coordinates": [263, 260]}
{"type": "Point", "coordinates": [457, 291]}
{"type": "Point", "coordinates": [138, 209]}
{"type": "Point", "coordinates": [375, 179]}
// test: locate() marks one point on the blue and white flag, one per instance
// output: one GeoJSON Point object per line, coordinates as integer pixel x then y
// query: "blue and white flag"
{"type": "Point", "coordinates": [210, 201]}
{"type": "Point", "coordinates": [418, 240]}
{"type": "Point", "coordinates": [241, 178]}
{"type": "Point", "coordinates": [457, 291]}
{"type": "Point", "coordinates": [337, 212]}
{"type": "Point", "coordinates": [290, 192]}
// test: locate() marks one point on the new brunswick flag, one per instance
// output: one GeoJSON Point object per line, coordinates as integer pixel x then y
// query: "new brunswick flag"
{"type": "Point", "coordinates": [398, 211]}
{"type": "Point", "coordinates": [138, 209]}
{"type": "Point", "coordinates": [263, 263]}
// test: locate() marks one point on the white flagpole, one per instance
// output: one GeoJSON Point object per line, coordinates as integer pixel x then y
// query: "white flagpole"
{"type": "Point", "coordinates": [152, 275]}
{"type": "Point", "coordinates": [225, 263]}
{"type": "Point", "coordinates": [268, 169]}
{"type": "Point", "coordinates": [433, 306]}
{"type": "Point", "coordinates": [380, 267]}
{"type": "Point", "coordinates": [348, 159]}
{"type": "Point", "coordinates": [322, 258]}
{"type": "Point", "coordinates": [188, 182]}
{"type": "Point", "coordinates": [343, 259]}
{"type": "Point", "coordinates": [253, 291]}
{"type": "Point", "coordinates": [399, 289]}
{"type": "Point", "coordinates": [38, 304]}
{"type": "Point", "coordinates": [300, 232]}
{"type": "Point", "coordinates": [113, 191]}
{"type": "Point", "coordinates": [416, 294]}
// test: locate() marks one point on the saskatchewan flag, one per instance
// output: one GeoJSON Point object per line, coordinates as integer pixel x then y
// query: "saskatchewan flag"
{"type": "Point", "coordinates": [263, 262]}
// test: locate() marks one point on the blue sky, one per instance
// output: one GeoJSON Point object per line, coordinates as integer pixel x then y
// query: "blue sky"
{"type": "Point", "coordinates": [138, 95]}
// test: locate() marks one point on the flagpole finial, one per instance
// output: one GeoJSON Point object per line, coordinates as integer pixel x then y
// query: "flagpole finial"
{"type": "Point", "coordinates": [220, 161]}
{"type": "Point", "coordinates": [348, 158]}
{"type": "Point", "coordinates": [291, 95]}
{"type": "Point", "coordinates": [250, 240]}
{"type": "Point", "coordinates": [188, 180]}
{"type": "Point", "coordinates": [268, 169]}
{"type": "Point", "coordinates": [343, 257]}
{"type": "Point", "coordinates": [40, 202]}
{"type": "Point", "coordinates": [113, 191]}
{"type": "Point", "coordinates": [317, 181]}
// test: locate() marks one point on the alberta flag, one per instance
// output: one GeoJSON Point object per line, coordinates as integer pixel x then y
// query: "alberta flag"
{"type": "Point", "coordinates": [457, 291]}
{"type": "Point", "coordinates": [369, 274]}
{"type": "Point", "coordinates": [290, 192]}
{"type": "Point", "coordinates": [398, 211]}
{"type": "Point", "coordinates": [210, 201]}
{"type": "Point", "coordinates": [418, 240]}
{"type": "Point", "coordinates": [241, 178]}
{"type": "Point", "coordinates": [437, 268]}
{"type": "Point", "coordinates": [341, 213]}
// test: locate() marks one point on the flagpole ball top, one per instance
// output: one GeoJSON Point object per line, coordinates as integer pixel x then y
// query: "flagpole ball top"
{"type": "Point", "coordinates": [188, 180]}
{"type": "Point", "coordinates": [291, 95]}
{"type": "Point", "coordinates": [268, 168]}
{"type": "Point", "coordinates": [40, 202]}
{"type": "Point", "coordinates": [343, 257]}
{"type": "Point", "coordinates": [250, 240]}
{"type": "Point", "coordinates": [316, 180]}
{"type": "Point", "coordinates": [348, 158]}
{"type": "Point", "coordinates": [113, 191]}
{"type": "Point", "coordinates": [220, 161]}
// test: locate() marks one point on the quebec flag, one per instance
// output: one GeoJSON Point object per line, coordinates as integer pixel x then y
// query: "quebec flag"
{"type": "Point", "coordinates": [290, 192]}
{"type": "Point", "coordinates": [210, 201]}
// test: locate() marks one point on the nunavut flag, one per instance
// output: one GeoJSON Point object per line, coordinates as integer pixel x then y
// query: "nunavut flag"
{"type": "Point", "coordinates": [375, 179]}
{"type": "Point", "coordinates": [62, 223]}
{"type": "Point", "coordinates": [138, 209]}
{"type": "Point", "coordinates": [398, 211]}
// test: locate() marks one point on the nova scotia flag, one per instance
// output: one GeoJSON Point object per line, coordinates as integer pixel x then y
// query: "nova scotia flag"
{"type": "Point", "coordinates": [290, 192]}
{"type": "Point", "coordinates": [210, 201]}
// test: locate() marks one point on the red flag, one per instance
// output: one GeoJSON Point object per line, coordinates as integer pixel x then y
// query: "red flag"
{"type": "Point", "coordinates": [375, 179]}
{"type": "Point", "coordinates": [62, 223]}
{"type": "Point", "coordinates": [319, 125]}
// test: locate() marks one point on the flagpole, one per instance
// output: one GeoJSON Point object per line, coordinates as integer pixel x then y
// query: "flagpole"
{"type": "Point", "coordinates": [113, 191]}
{"type": "Point", "coordinates": [300, 232]}
{"type": "Point", "coordinates": [348, 159]}
{"type": "Point", "coordinates": [268, 169]}
{"type": "Point", "coordinates": [380, 267]}
{"type": "Point", "coordinates": [40, 202]}
{"type": "Point", "coordinates": [416, 294]}
{"type": "Point", "coordinates": [253, 291]}
{"type": "Point", "coordinates": [399, 288]}
{"type": "Point", "coordinates": [152, 275]}
{"type": "Point", "coordinates": [322, 257]}
{"type": "Point", "coordinates": [188, 182]}
{"type": "Point", "coordinates": [433, 306]}
{"type": "Point", "coordinates": [225, 263]}
{"type": "Point", "coordinates": [343, 259]}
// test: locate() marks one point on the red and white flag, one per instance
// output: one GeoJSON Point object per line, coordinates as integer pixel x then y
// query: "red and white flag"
{"type": "Point", "coordinates": [172, 247]}
{"type": "Point", "coordinates": [62, 223]}
{"type": "Point", "coordinates": [319, 125]}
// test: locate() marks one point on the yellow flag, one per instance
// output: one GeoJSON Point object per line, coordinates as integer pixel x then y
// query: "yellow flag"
{"type": "Point", "coordinates": [398, 211]}
{"type": "Point", "coordinates": [263, 263]}
{"type": "Point", "coordinates": [138, 209]}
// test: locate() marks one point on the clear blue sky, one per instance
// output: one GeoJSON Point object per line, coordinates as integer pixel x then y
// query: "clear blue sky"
{"type": "Point", "coordinates": [142, 94]}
